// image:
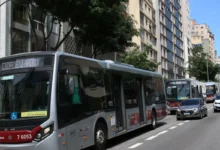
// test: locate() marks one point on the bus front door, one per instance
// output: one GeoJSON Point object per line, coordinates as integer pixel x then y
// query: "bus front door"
{"type": "Point", "coordinates": [120, 113]}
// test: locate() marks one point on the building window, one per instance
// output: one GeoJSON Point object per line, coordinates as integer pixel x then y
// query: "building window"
{"type": "Point", "coordinates": [142, 19]}
{"type": "Point", "coordinates": [19, 42]}
{"type": "Point", "coordinates": [20, 13]}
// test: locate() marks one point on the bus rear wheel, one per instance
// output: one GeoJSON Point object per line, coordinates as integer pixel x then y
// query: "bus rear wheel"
{"type": "Point", "coordinates": [100, 137]}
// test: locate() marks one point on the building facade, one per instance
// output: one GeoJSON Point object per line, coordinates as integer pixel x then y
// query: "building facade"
{"type": "Point", "coordinates": [144, 16]}
{"type": "Point", "coordinates": [202, 35]}
{"type": "Point", "coordinates": [18, 34]}
{"type": "Point", "coordinates": [170, 38]}
{"type": "Point", "coordinates": [186, 33]}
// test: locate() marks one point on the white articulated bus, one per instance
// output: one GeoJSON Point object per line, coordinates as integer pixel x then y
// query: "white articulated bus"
{"type": "Point", "coordinates": [59, 101]}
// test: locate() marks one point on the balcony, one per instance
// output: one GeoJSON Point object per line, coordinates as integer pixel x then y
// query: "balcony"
{"type": "Point", "coordinates": [38, 25]}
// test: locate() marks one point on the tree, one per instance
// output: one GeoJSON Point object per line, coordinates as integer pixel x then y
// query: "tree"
{"type": "Point", "coordinates": [44, 16]}
{"type": "Point", "coordinates": [103, 24]}
{"type": "Point", "coordinates": [198, 65]}
{"type": "Point", "coordinates": [139, 59]}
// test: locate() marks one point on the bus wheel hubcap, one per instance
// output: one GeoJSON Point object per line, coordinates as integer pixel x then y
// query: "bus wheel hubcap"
{"type": "Point", "coordinates": [100, 137]}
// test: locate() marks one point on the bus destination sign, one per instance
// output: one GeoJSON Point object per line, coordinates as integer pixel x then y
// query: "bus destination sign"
{"type": "Point", "coordinates": [178, 82]}
{"type": "Point", "coordinates": [22, 63]}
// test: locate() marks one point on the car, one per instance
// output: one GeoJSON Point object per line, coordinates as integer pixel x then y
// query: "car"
{"type": "Point", "coordinates": [216, 104]}
{"type": "Point", "coordinates": [192, 108]}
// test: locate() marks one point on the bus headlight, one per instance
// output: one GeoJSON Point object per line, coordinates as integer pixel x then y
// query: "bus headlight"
{"type": "Point", "coordinates": [43, 133]}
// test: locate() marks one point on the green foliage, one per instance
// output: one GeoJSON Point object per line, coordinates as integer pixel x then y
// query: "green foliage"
{"type": "Point", "coordinates": [139, 59]}
{"type": "Point", "coordinates": [198, 65]}
{"type": "Point", "coordinates": [101, 23]}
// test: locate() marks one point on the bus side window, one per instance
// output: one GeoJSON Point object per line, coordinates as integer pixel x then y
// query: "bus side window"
{"type": "Point", "coordinates": [130, 92]}
{"type": "Point", "coordinates": [149, 90]}
{"type": "Point", "coordinates": [193, 91]}
{"type": "Point", "coordinates": [159, 88]}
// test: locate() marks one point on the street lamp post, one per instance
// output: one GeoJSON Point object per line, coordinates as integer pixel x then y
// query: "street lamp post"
{"type": "Point", "coordinates": [207, 67]}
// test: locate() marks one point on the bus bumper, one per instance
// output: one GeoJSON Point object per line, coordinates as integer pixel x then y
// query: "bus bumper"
{"type": "Point", "coordinates": [173, 108]}
{"type": "Point", "coordinates": [210, 99]}
{"type": "Point", "coordinates": [49, 143]}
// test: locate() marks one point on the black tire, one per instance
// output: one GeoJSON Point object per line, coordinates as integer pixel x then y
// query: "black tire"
{"type": "Point", "coordinates": [100, 137]}
{"type": "Point", "coordinates": [153, 120]}
{"type": "Point", "coordinates": [206, 115]}
{"type": "Point", "coordinates": [215, 110]}
{"type": "Point", "coordinates": [201, 115]}
{"type": "Point", "coordinates": [178, 118]}
{"type": "Point", "coordinates": [173, 112]}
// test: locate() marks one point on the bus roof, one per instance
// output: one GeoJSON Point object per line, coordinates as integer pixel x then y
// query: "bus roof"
{"type": "Point", "coordinates": [184, 79]}
{"type": "Point", "coordinates": [105, 64]}
{"type": "Point", "coordinates": [29, 54]}
{"type": "Point", "coordinates": [210, 83]}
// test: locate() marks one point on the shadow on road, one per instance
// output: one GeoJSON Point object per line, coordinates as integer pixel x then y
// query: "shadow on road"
{"type": "Point", "coordinates": [191, 119]}
{"type": "Point", "coordinates": [131, 135]}
{"type": "Point", "coordinates": [123, 138]}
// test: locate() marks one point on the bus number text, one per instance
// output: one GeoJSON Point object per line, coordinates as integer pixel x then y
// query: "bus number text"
{"type": "Point", "coordinates": [24, 137]}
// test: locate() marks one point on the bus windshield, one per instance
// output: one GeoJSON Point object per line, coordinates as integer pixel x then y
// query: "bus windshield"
{"type": "Point", "coordinates": [210, 89]}
{"type": "Point", "coordinates": [178, 90]}
{"type": "Point", "coordinates": [24, 95]}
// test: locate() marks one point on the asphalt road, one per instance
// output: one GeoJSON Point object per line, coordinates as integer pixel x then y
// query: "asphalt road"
{"type": "Point", "coordinates": [192, 134]}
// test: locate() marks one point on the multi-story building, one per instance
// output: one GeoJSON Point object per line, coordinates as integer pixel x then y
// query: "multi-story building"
{"type": "Point", "coordinates": [202, 35]}
{"type": "Point", "coordinates": [144, 15]}
{"type": "Point", "coordinates": [186, 33]}
{"type": "Point", "coordinates": [218, 60]}
{"type": "Point", "coordinates": [170, 38]}
{"type": "Point", "coordinates": [18, 34]}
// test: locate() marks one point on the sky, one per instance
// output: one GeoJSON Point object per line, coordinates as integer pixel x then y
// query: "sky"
{"type": "Point", "coordinates": [208, 12]}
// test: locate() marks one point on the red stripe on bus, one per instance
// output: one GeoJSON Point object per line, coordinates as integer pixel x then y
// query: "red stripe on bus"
{"type": "Point", "coordinates": [161, 112]}
{"type": "Point", "coordinates": [135, 119]}
{"type": "Point", "coordinates": [18, 136]}
{"type": "Point", "coordinates": [149, 112]}
{"type": "Point", "coordinates": [174, 104]}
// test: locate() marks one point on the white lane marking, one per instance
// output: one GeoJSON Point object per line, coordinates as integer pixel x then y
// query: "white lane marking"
{"type": "Point", "coordinates": [152, 137]}
{"type": "Point", "coordinates": [210, 108]}
{"type": "Point", "coordinates": [173, 127]}
{"type": "Point", "coordinates": [186, 121]}
{"type": "Point", "coordinates": [135, 145]}
{"type": "Point", "coordinates": [180, 124]}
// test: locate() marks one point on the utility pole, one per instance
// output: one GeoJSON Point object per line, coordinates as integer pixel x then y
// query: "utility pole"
{"type": "Point", "coordinates": [207, 67]}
